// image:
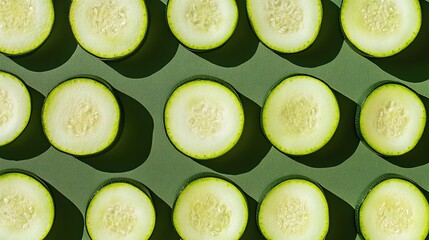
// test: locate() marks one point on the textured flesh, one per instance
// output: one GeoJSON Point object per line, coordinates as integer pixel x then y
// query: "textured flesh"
{"type": "Point", "coordinates": [81, 116]}
{"type": "Point", "coordinates": [15, 107]}
{"type": "Point", "coordinates": [24, 25]}
{"type": "Point", "coordinates": [26, 208]}
{"type": "Point", "coordinates": [210, 209]}
{"type": "Point", "coordinates": [109, 28]}
{"type": "Point", "coordinates": [387, 33]}
{"type": "Point", "coordinates": [294, 210]}
{"type": "Point", "coordinates": [392, 119]}
{"type": "Point", "coordinates": [120, 211]}
{"type": "Point", "coordinates": [202, 24]}
{"type": "Point", "coordinates": [300, 115]}
{"type": "Point", "coordinates": [203, 119]}
{"type": "Point", "coordinates": [287, 25]}
{"type": "Point", "coordinates": [394, 210]}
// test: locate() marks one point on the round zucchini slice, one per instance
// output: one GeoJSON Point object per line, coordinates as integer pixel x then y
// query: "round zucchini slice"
{"type": "Point", "coordinates": [210, 208]}
{"type": "Point", "coordinates": [380, 28]}
{"type": "Point", "coordinates": [394, 209]}
{"type": "Point", "coordinates": [26, 207]}
{"type": "Point", "coordinates": [204, 118]}
{"type": "Point", "coordinates": [109, 29]}
{"type": "Point", "coordinates": [81, 116]}
{"type": "Point", "coordinates": [15, 107]}
{"type": "Point", "coordinates": [286, 26]}
{"type": "Point", "coordinates": [300, 115]}
{"type": "Point", "coordinates": [202, 24]}
{"type": "Point", "coordinates": [24, 25]}
{"type": "Point", "coordinates": [294, 209]}
{"type": "Point", "coordinates": [391, 119]}
{"type": "Point", "coordinates": [120, 210]}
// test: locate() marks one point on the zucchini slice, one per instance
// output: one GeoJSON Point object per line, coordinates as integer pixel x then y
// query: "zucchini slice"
{"type": "Point", "coordinates": [391, 120]}
{"type": "Point", "coordinates": [381, 28]}
{"type": "Point", "coordinates": [109, 29]}
{"type": "Point", "coordinates": [286, 26]}
{"type": "Point", "coordinates": [394, 209]}
{"type": "Point", "coordinates": [15, 107]}
{"type": "Point", "coordinates": [204, 118]}
{"type": "Point", "coordinates": [120, 210]}
{"type": "Point", "coordinates": [210, 208]}
{"type": "Point", "coordinates": [81, 116]}
{"type": "Point", "coordinates": [24, 25]}
{"type": "Point", "coordinates": [202, 24]}
{"type": "Point", "coordinates": [294, 209]}
{"type": "Point", "coordinates": [300, 115]}
{"type": "Point", "coordinates": [26, 207]}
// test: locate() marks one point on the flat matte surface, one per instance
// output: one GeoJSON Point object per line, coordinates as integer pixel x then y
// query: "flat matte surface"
{"type": "Point", "coordinates": [345, 167]}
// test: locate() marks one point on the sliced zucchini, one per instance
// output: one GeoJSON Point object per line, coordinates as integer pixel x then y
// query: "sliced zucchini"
{"type": "Point", "coordinates": [286, 26]}
{"type": "Point", "coordinates": [381, 28]}
{"type": "Point", "coordinates": [294, 209]}
{"type": "Point", "coordinates": [210, 208]}
{"type": "Point", "coordinates": [109, 29]}
{"type": "Point", "coordinates": [391, 119]}
{"type": "Point", "coordinates": [81, 116]}
{"type": "Point", "coordinates": [24, 25]}
{"type": "Point", "coordinates": [15, 107]}
{"type": "Point", "coordinates": [26, 207]}
{"type": "Point", "coordinates": [300, 115]}
{"type": "Point", "coordinates": [120, 210]}
{"type": "Point", "coordinates": [394, 209]}
{"type": "Point", "coordinates": [204, 118]}
{"type": "Point", "coordinates": [202, 24]}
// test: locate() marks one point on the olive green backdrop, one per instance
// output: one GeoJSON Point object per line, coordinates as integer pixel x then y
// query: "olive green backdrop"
{"type": "Point", "coordinates": [345, 167]}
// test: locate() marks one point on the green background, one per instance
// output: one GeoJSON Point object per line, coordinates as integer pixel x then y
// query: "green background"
{"type": "Point", "coordinates": [345, 167]}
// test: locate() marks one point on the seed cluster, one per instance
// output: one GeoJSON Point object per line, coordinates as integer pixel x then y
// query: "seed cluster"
{"type": "Point", "coordinates": [108, 18]}
{"type": "Point", "coordinates": [6, 107]}
{"type": "Point", "coordinates": [16, 211]}
{"type": "Point", "coordinates": [84, 118]}
{"type": "Point", "coordinates": [204, 15]}
{"type": "Point", "coordinates": [381, 16]}
{"type": "Point", "coordinates": [394, 216]}
{"type": "Point", "coordinates": [285, 16]}
{"type": "Point", "coordinates": [206, 119]}
{"type": "Point", "coordinates": [392, 119]}
{"type": "Point", "coordinates": [300, 115]}
{"type": "Point", "coordinates": [16, 15]}
{"type": "Point", "coordinates": [120, 219]}
{"type": "Point", "coordinates": [292, 215]}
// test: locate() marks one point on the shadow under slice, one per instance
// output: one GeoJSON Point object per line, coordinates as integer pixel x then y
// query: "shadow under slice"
{"type": "Point", "coordinates": [164, 228]}
{"type": "Point", "coordinates": [341, 218]}
{"type": "Point", "coordinates": [252, 231]}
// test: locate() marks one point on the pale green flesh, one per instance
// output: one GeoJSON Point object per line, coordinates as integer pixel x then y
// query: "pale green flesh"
{"type": "Point", "coordinates": [381, 28]}
{"type": "Point", "coordinates": [294, 209]}
{"type": "Point", "coordinates": [120, 211]}
{"type": "Point", "coordinates": [395, 209]}
{"type": "Point", "coordinates": [392, 119]}
{"type": "Point", "coordinates": [26, 208]}
{"type": "Point", "coordinates": [210, 208]}
{"type": "Point", "coordinates": [81, 116]}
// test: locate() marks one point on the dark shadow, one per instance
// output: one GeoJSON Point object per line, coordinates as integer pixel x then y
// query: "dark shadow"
{"type": "Point", "coordinates": [134, 143]}
{"type": "Point", "coordinates": [59, 46]}
{"type": "Point", "coordinates": [158, 48]}
{"type": "Point", "coordinates": [343, 143]}
{"type": "Point", "coordinates": [419, 155]}
{"type": "Point", "coordinates": [164, 228]}
{"type": "Point", "coordinates": [68, 223]}
{"type": "Point", "coordinates": [250, 149]}
{"type": "Point", "coordinates": [341, 218]}
{"type": "Point", "coordinates": [32, 142]}
{"type": "Point", "coordinates": [327, 44]}
{"type": "Point", "coordinates": [240, 47]}
{"type": "Point", "coordinates": [412, 64]}
{"type": "Point", "coordinates": [252, 231]}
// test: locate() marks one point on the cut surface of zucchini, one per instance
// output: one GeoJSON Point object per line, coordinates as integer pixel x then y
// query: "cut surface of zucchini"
{"type": "Point", "coordinates": [395, 209]}
{"type": "Point", "coordinates": [295, 209]}
{"type": "Point", "coordinates": [120, 210]}
{"type": "Point", "coordinates": [202, 24]}
{"type": "Point", "coordinates": [24, 25]}
{"type": "Point", "coordinates": [203, 118]}
{"type": "Point", "coordinates": [26, 207]}
{"type": "Point", "coordinates": [286, 26]}
{"type": "Point", "coordinates": [392, 119]}
{"type": "Point", "coordinates": [15, 107]}
{"type": "Point", "coordinates": [81, 116]}
{"type": "Point", "coordinates": [300, 115]}
{"type": "Point", "coordinates": [381, 28]}
{"type": "Point", "coordinates": [109, 29]}
{"type": "Point", "coordinates": [210, 208]}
